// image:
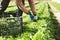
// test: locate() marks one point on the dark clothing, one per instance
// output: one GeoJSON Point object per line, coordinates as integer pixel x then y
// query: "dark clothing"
{"type": "Point", "coordinates": [20, 12]}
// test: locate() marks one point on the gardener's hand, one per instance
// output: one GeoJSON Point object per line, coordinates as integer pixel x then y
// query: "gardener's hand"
{"type": "Point", "coordinates": [31, 16]}
{"type": "Point", "coordinates": [34, 18]}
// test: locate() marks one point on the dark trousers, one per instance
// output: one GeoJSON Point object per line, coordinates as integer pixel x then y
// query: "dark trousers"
{"type": "Point", "coordinates": [20, 12]}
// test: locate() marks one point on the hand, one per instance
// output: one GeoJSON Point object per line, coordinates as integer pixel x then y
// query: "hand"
{"type": "Point", "coordinates": [31, 16]}
{"type": "Point", "coordinates": [35, 18]}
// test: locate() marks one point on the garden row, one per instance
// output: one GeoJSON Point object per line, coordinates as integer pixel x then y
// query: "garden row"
{"type": "Point", "coordinates": [41, 30]}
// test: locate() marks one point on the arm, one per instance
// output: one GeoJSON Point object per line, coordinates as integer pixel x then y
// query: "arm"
{"type": "Point", "coordinates": [23, 8]}
{"type": "Point", "coordinates": [32, 5]}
